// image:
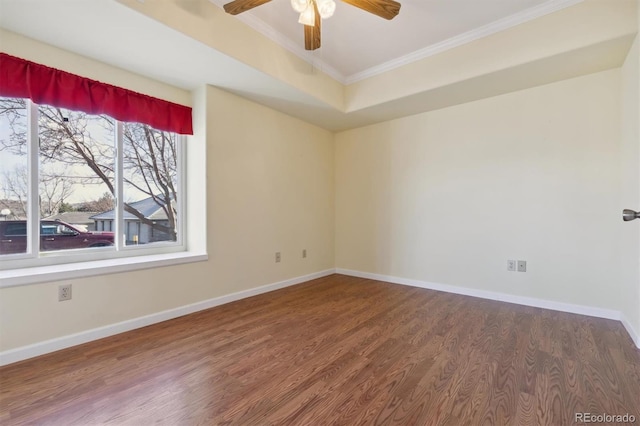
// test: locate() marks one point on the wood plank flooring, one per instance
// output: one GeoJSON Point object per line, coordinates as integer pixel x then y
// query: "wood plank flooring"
{"type": "Point", "coordinates": [337, 351]}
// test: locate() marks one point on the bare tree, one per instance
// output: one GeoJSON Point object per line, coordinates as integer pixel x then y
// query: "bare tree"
{"type": "Point", "coordinates": [65, 138]}
{"type": "Point", "coordinates": [105, 203]}
{"type": "Point", "coordinates": [53, 191]}
{"type": "Point", "coordinates": [15, 113]}
{"type": "Point", "coordinates": [70, 138]}
{"type": "Point", "coordinates": [14, 190]}
{"type": "Point", "coordinates": [150, 163]}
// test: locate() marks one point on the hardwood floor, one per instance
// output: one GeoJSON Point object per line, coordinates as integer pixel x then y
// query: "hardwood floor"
{"type": "Point", "coordinates": [338, 351]}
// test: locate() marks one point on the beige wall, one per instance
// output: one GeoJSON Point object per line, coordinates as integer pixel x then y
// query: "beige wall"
{"type": "Point", "coordinates": [32, 50]}
{"type": "Point", "coordinates": [583, 25]}
{"type": "Point", "coordinates": [210, 25]}
{"type": "Point", "coordinates": [448, 196]}
{"type": "Point", "coordinates": [270, 181]}
{"type": "Point", "coordinates": [269, 187]}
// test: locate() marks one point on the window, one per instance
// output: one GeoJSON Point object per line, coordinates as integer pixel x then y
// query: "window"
{"type": "Point", "coordinates": [14, 175]}
{"type": "Point", "coordinates": [64, 172]}
{"type": "Point", "coordinates": [150, 184]}
{"type": "Point", "coordinates": [15, 229]}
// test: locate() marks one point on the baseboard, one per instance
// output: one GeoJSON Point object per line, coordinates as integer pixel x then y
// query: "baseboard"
{"type": "Point", "coordinates": [633, 333]}
{"type": "Point", "coordinates": [503, 297]}
{"type": "Point", "coordinates": [41, 348]}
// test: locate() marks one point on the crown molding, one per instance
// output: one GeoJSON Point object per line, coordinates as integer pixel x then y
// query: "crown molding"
{"type": "Point", "coordinates": [530, 14]}
{"type": "Point", "coordinates": [464, 38]}
{"type": "Point", "coordinates": [268, 31]}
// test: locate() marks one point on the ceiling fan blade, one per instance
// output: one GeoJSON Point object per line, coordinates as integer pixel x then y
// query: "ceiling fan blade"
{"type": "Point", "coordinates": [387, 9]}
{"type": "Point", "coordinates": [239, 6]}
{"type": "Point", "coordinates": [312, 33]}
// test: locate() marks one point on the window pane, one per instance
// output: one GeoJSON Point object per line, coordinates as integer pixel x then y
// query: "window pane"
{"type": "Point", "coordinates": [76, 160]}
{"type": "Point", "coordinates": [13, 176]}
{"type": "Point", "coordinates": [150, 184]}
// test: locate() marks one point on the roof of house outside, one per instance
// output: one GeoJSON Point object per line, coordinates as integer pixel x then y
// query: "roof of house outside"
{"type": "Point", "coordinates": [148, 207]}
{"type": "Point", "coordinates": [79, 218]}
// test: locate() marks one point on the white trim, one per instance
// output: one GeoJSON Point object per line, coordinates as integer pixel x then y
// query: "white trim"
{"type": "Point", "coordinates": [500, 25]}
{"type": "Point", "coordinates": [633, 333]}
{"type": "Point", "coordinates": [118, 142]}
{"type": "Point", "coordinates": [527, 15]}
{"type": "Point", "coordinates": [271, 33]}
{"type": "Point", "coordinates": [503, 297]}
{"type": "Point", "coordinates": [181, 163]}
{"type": "Point", "coordinates": [40, 274]}
{"type": "Point", "coordinates": [33, 165]}
{"type": "Point", "coordinates": [41, 348]}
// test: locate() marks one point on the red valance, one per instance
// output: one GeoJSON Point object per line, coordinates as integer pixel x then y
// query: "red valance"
{"type": "Point", "coordinates": [44, 85]}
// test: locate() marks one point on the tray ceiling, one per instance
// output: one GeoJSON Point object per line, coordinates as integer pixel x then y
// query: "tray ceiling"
{"type": "Point", "coordinates": [357, 44]}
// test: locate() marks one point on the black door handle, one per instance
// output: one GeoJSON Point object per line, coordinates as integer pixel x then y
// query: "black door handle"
{"type": "Point", "coordinates": [628, 215]}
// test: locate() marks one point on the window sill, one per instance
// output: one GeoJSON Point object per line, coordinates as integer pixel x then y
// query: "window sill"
{"type": "Point", "coordinates": [39, 274]}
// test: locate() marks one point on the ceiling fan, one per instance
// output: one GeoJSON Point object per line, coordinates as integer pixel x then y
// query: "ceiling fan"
{"type": "Point", "coordinates": [313, 11]}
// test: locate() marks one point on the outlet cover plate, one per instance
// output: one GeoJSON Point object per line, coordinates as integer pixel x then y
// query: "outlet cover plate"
{"type": "Point", "coordinates": [522, 266]}
{"type": "Point", "coordinates": [64, 292]}
{"type": "Point", "coordinates": [511, 265]}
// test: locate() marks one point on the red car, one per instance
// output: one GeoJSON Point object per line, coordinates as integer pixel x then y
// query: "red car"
{"type": "Point", "coordinates": [54, 235]}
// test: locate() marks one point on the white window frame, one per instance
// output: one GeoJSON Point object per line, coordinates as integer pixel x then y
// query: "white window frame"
{"type": "Point", "coordinates": [35, 266]}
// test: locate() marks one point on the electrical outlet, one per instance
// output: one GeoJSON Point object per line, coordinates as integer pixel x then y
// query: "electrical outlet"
{"type": "Point", "coordinates": [277, 257]}
{"type": "Point", "coordinates": [511, 265]}
{"type": "Point", "coordinates": [304, 253]}
{"type": "Point", "coordinates": [522, 266]}
{"type": "Point", "coordinates": [64, 292]}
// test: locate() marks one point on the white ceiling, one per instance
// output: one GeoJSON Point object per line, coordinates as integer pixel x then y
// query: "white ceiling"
{"type": "Point", "coordinates": [357, 44]}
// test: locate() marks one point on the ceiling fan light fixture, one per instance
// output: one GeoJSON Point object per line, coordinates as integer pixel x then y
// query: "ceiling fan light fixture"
{"type": "Point", "coordinates": [312, 12]}
{"type": "Point", "coordinates": [300, 5]}
{"type": "Point", "coordinates": [308, 16]}
{"type": "Point", "coordinates": [326, 8]}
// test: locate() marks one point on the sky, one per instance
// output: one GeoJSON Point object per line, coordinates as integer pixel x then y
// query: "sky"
{"type": "Point", "coordinates": [80, 192]}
